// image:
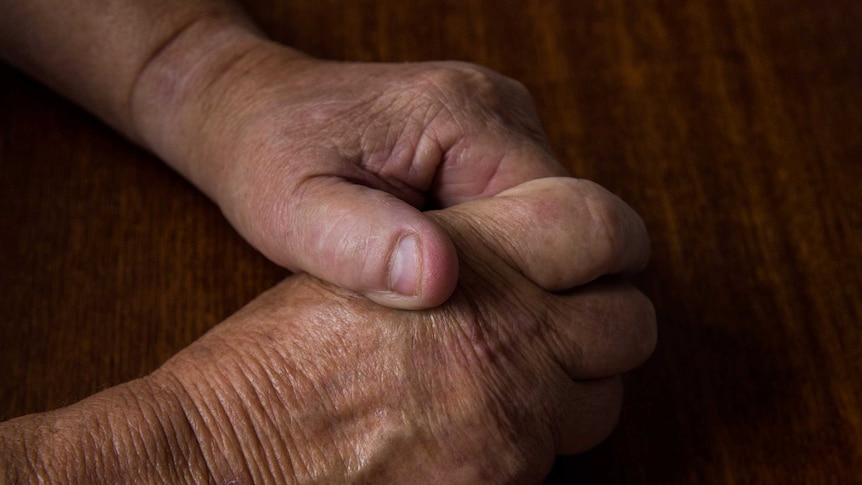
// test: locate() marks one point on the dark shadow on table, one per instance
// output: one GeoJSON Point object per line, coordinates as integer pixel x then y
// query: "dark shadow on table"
{"type": "Point", "coordinates": [716, 378]}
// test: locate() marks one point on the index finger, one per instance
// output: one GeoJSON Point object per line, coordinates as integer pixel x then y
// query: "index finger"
{"type": "Point", "coordinates": [562, 232]}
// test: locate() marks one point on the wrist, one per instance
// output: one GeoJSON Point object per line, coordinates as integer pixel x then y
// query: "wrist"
{"type": "Point", "coordinates": [228, 402]}
{"type": "Point", "coordinates": [181, 91]}
{"type": "Point", "coordinates": [130, 433]}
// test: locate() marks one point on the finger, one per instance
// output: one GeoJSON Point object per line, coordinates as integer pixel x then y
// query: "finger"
{"type": "Point", "coordinates": [364, 240]}
{"type": "Point", "coordinates": [561, 232]}
{"type": "Point", "coordinates": [589, 414]}
{"type": "Point", "coordinates": [487, 163]}
{"type": "Point", "coordinates": [603, 329]}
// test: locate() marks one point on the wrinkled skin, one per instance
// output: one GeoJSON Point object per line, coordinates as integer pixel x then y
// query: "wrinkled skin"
{"type": "Point", "coordinates": [311, 383]}
{"type": "Point", "coordinates": [321, 385]}
{"type": "Point", "coordinates": [324, 166]}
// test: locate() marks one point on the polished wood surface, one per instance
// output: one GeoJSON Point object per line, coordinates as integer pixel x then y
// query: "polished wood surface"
{"type": "Point", "coordinates": [733, 126]}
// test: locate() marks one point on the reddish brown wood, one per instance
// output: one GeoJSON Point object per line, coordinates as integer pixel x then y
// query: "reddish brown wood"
{"type": "Point", "coordinates": [733, 126]}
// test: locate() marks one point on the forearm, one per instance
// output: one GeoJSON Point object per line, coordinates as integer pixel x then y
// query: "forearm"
{"type": "Point", "coordinates": [146, 68]}
{"type": "Point", "coordinates": [96, 53]}
{"type": "Point", "coordinates": [209, 415]}
{"type": "Point", "coordinates": [130, 433]}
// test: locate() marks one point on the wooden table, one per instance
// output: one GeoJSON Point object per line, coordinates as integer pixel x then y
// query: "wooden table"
{"type": "Point", "coordinates": [733, 126]}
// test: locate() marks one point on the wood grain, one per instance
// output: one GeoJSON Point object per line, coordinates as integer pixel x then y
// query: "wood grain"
{"type": "Point", "coordinates": [733, 126]}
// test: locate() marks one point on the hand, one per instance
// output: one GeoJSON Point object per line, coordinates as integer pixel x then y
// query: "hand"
{"type": "Point", "coordinates": [324, 167]}
{"type": "Point", "coordinates": [326, 387]}
{"type": "Point", "coordinates": [311, 383]}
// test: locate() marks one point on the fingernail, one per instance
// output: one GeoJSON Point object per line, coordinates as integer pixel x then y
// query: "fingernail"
{"type": "Point", "coordinates": [404, 271]}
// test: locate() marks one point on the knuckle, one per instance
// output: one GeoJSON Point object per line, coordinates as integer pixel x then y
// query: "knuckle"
{"type": "Point", "coordinates": [645, 326]}
{"type": "Point", "coordinates": [608, 232]}
{"type": "Point", "coordinates": [625, 318]}
{"type": "Point", "coordinates": [459, 78]}
{"type": "Point", "coordinates": [463, 85]}
{"type": "Point", "coordinates": [469, 97]}
{"type": "Point", "coordinates": [618, 240]}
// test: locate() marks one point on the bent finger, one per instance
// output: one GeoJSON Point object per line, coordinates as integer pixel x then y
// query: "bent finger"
{"type": "Point", "coordinates": [484, 164]}
{"type": "Point", "coordinates": [561, 232]}
{"type": "Point", "coordinates": [603, 329]}
{"type": "Point", "coordinates": [588, 415]}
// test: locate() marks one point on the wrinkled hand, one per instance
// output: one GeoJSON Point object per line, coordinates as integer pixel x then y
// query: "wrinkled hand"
{"type": "Point", "coordinates": [324, 166]}
{"type": "Point", "coordinates": [315, 384]}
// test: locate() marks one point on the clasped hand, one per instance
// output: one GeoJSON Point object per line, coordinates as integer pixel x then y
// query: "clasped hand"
{"type": "Point", "coordinates": [513, 352]}
{"type": "Point", "coordinates": [314, 384]}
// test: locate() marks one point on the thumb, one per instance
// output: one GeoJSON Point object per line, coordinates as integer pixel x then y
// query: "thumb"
{"type": "Point", "coordinates": [365, 240]}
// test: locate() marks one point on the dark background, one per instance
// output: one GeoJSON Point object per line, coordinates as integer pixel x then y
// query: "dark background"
{"type": "Point", "coordinates": [733, 126]}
